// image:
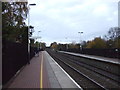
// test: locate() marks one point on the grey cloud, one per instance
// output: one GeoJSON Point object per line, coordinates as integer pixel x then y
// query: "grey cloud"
{"type": "Point", "coordinates": [65, 19]}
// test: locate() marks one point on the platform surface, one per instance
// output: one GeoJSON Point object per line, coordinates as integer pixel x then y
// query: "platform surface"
{"type": "Point", "coordinates": [111, 60]}
{"type": "Point", "coordinates": [43, 72]}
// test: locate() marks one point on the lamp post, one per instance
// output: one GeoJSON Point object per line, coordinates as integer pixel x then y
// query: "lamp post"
{"type": "Point", "coordinates": [39, 45]}
{"type": "Point", "coordinates": [66, 44]}
{"type": "Point", "coordinates": [38, 35]}
{"type": "Point", "coordinates": [29, 32]}
{"type": "Point", "coordinates": [80, 39]}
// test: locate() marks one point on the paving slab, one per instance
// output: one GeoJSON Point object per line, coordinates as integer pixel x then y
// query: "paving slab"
{"type": "Point", "coordinates": [29, 76]}
{"type": "Point", "coordinates": [42, 72]}
{"type": "Point", "coordinates": [65, 81]}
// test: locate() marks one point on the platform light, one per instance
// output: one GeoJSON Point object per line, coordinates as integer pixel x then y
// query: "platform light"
{"type": "Point", "coordinates": [29, 31]}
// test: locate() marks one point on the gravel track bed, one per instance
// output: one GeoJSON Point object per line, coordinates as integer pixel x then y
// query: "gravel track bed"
{"type": "Point", "coordinates": [112, 68]}
{"type": "Point", "coordinates": [108, 83]}
{"type": "Point", "coordinates": [80, 79]}
{"type": "Point", "coordinates": [111, 75]}
{"type": "Point", "coordinates": [79, 64]}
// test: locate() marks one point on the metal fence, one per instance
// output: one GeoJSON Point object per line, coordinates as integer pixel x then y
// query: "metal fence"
{"type": "Point", "coordinates": [14, 57]}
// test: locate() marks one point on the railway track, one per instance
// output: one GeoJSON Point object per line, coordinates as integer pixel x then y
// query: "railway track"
{"type": "Point", "coordinates": [85, 74]}
{"type": "Point", "coordinates": [115, 76]}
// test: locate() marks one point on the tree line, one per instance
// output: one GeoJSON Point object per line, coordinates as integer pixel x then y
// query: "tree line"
{"type": "Point", "coordinates": [40, 45]}
{"type": "Point", "coordinates": [110, 40]}
{"type": "Point", "coordinates": [14, 28]}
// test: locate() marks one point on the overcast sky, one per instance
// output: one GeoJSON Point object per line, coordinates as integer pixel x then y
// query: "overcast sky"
{"type": "Point", "coordinates": [61, 20]}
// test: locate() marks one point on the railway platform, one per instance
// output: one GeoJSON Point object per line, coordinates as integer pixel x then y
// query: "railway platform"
{"type": "Point", "coordinates": [42, 72]}
{"type": "Point", "coordinates": [105, 59]}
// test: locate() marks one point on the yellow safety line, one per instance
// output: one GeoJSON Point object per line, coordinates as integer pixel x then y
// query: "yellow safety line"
{"type": "Point", "coordinates": [41, 73]}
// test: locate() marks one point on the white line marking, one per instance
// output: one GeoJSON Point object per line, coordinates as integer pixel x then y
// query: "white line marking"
{"type": "Point", "coordinates": [17, 72]}
{"type": "Point", "coordinates": [67, 74]}
{"type": "Point", "coordinates": [0, 87]}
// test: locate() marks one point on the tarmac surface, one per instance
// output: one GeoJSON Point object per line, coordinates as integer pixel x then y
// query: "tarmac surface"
{"type": "Point", "coordinates": [42, 72]}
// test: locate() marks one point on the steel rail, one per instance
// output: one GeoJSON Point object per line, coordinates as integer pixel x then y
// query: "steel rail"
{"type": "Point", "coordinates": [101, 86]}
{"type": "Point", "coordinates": [104, 71]}
{"type": "Point", "coordinates": [113, 75]}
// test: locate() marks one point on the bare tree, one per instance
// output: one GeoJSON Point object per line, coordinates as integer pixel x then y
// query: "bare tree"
{"type": "Point", "coordinates": [113, 33]}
